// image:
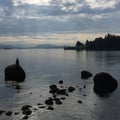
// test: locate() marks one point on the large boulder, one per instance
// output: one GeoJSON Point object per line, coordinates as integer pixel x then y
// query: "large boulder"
{"type": "Point", "coordinates": [85, 74]}
{"type": "Point", "coordinates": [104, 83]}
{"type": "Point", "coordinates": [14, 73]}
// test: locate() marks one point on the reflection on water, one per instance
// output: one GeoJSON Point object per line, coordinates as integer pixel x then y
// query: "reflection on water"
{"type": "Point", "coordinates": [46, 67]}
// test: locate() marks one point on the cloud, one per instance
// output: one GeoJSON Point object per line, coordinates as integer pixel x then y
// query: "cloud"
{"type": "Point", "coordinates": [21, 16]}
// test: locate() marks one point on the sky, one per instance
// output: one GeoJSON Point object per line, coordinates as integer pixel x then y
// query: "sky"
{"type": "Point", "coordinates": [37, 17]}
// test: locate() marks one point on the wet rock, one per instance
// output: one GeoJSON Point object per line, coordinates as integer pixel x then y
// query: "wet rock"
{"type": "Point", "coordinates": [53, 89]}
{"type": "Point", "coordinates": [16, 113]}
{"type": "Point", "coordinates": [53, 86]}
{"type": "Point", "coordinates": [84, 86]}
{"type": "Point", "coordinates": [35, 109]}
{"type": "Point", "coordinates": [27, 112]}
{"type": "Point", "coordinates": [26, 107]}
{"type": "Point", "coordinates": [49, 102]}
{"type": "Point", "coordinates": [42, 107]}
{"type": "Point", "coordinates": [104, 83]}
{"type": "Point", "coordinates": [61, 82]}
{"type": "Point", "coordinates": [84, 95]}
{"type": "Point", "coordinates": [85, 74]}
{"type": "Point", "coordinates": [39, 104]}
{"type": "Point", "coordinates": [58, 102]}
{"type": "Point", "coordinates": [9, 113]}
{"type": "Point", "coordinates": [1, 112]}
{"type": "Point", "coordinates": [80, 101]}
{"type": "Point", "coordinates": [61, 92]}
{"type": "Point", "coordinates": [25, 117]}
{"type": "Point", "coordinates": [14, 73]}
{"type": "Point", "coordinates": [71, 89]}
{"type": "Point", "coordinates": [62, 98]}
{"type": "Point", "coordinates": [54, 96]}
{"type": "Point", "coordinates": [50, 108]}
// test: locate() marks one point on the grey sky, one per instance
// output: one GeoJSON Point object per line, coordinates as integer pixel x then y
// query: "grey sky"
{"type": "Point", "coordinates": [36, 16]}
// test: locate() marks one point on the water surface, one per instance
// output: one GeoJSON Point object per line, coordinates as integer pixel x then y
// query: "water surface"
{"type": "Point", "coordinates": [45, 67]}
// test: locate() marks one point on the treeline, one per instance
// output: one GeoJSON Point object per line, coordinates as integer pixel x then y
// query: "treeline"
{"type": "Point", "coordinates": [109, 42]}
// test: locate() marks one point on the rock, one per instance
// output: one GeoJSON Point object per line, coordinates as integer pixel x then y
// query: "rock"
{"type": "Point", "coordinates": [25, 117]}
{"type": "Point", "coordinates": [16, 113]}
{"type": "Point", "coordinates": [27, 112]}
{"type": "Point", "coordinates": [26, 107]}
{"type": "Point", "coordinates": [84, 95]}
{"type": "Point", "coordinates": [84, 86]}
{"type": "Point", "coordinates": [53, 89]}
{"type": "Point", "coordinates": [61, 82]}
{"type": "Point", "coordinates": [1, 112]}
{"type": "Point", "coordinates": [39, 104]}
{"type": "Point", "coordinates": [62, 98]}
{"type": "Point", "coordinates": [9, 113]}
{"type": "Point", "coordinates": [71, 89]}
{"type": "Point", "coordinates": [14, 73]}
{"type": "Point", "coordinates": [58, 102]}
{"type": "Point", "coordinates": [85, 74]}
{"type": "Point", "coordinates": [42, 107]}
{"type": "Point", "coordinates": [61, 92]}
{"type": "Point", "coordinates": [50, 108]}
{"type": "Point", "coordinates": [53, 86]}
{"type": "Point", "coordinates": [80, 101]}
{"type": "Point", "coordinates": [49, 102]}
{"type": "Point", "coordinates": [104, 83]}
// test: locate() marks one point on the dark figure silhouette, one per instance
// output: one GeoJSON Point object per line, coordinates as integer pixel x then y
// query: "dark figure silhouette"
{"type": "Point", "coordinates": [17, 61]}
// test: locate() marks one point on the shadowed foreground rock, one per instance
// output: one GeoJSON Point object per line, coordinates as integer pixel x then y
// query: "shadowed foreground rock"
{"type": "Point", "coordinates": [14, 73]}
{"type": "Point", "coordinates": [104, 83]}
{"type": "Point", "coordinates": [85, 74]}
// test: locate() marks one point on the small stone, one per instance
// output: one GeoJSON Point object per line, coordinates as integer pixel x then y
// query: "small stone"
{"type": "Point", "coordinates": [39, 104]}
{"type": "Point", "coordinates": [58, 102]}
{"type": "Point", "coordinates": [25, 117]}
{"type": "Point", "coordinates": [26, 107]}
{"type": "Point", "coordinates": [50, 108]}
{"type": "Point", "coordinates": [84, 86]}
{"type": "Point", "coordinates": [9, 113]}
{"type": "Point", "coordinates": [61, 82]}
{"type": "Point", "coordinates": [42, 107]}
{"type": "Point", "coordinates": [16, 113]}
{"type": "Point", "coordinates": [61, 92]}
{"type": "Point", "coordinates": [27, 112]}
{"type": "Point", "coordinates": [85, 74]}
{"type": "Point", "coordinates": [49, 102]}
{"type": "Point", "coordinates": [71, 89]}
{"type": "Point", "coordinates": [62, 98]}
{"type": "Point", "coordinates": [1, 112]}
{"type": "Point", "coordinates": [80, 101]}
{"type": "Point", "coordinates": [35, 109]}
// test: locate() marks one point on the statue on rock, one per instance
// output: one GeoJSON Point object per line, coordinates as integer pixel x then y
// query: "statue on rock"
{"type": "Point", "coordinates": [15, 72]}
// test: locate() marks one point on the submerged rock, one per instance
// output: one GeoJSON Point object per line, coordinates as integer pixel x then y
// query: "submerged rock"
{"type": "Point", "coordinates": [85, 74]}
{"type": "Point", "coordinates": [49, 102]}
{"type": "Point", "coordinates": [15, 73]}
{"type": "Point", "coordinates": [61, 82]}
{"type": "Point", "coordinates": [104, 83]}
{"type": "Point", "coordinates": [53, 88]}
{"type": "Point", "coordinates": [71, 89]}
{"type": "Point", "coordinates": [50, 108]}
{"type": "Point", "coordinates": [9, 113]}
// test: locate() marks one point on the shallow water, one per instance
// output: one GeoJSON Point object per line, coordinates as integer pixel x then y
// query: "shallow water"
{"type": "Point", "coordinates": [45, 67]}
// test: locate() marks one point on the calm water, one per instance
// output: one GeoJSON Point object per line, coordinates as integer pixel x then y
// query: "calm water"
{"type": "Point", "coordinates": [46, 67]}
